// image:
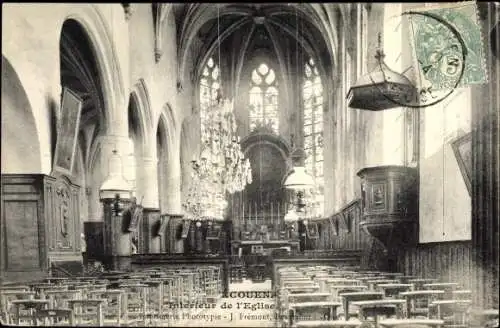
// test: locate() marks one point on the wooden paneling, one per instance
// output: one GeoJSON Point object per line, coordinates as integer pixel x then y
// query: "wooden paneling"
{"type": "Point", "coordinates": [23, 227]}
{"type": "Point", "coordinates": [449, 261]}
{"type": "Point", "coordinates": [62, 213]}
{"type": "Point", "coordinates": [40, 225]}
{"type": "Point", "coordinates": [21, 236]}
{"type": "Point", "coordinates": [342, 230]}
{"type": "Point", "coordinates": [94, 231]}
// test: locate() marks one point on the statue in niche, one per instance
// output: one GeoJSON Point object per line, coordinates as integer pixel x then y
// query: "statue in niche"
{"type": "Point", "coordinates": [63, 195]}
{"type": "Point", "coordinates": [65, 219]}
{"type": "Point", "coordinates": [134, 244]}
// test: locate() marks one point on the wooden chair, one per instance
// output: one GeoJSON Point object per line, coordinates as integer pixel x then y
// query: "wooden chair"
{"type": "Point", "coordinates": [418, 301]}
{"type": "Point", "coordinates": [20, 288]}
{"type": "Point", "coordinates": [58, 299]}
{"type": "Point", "coordinates": [453, 312]}
{"type": "Point", "coordinates": [42, 288]}
{"type": "Point", "coordinates": [113, 311]}
{"type": "Point", "coordinates": [23, 310]}
{"type": "Point", "coordinates": [461, 294]}
{"type": "Point", "coordinates": [370, 311]}
{"type": "Point", "coordinates": [135, 303]}
{"type": "Point", "coordinates": [87, 312]}
{"type": "Point", "coordinates": [448, 288]}
{"type": "Point", "coordinates": [54, 317]}
{"type": "Point", "coordinates": [6, 297]}
{"type": "Point", "coordinates": [372, 284]}
{"type": "Point", "coordinates": [154, 299]}
{"type": "Point", "coordinates": [393, 290]}
{"type": "Point", "coordinates": [339, 289]}
{"type": "Point", "coordinates": [348, 297]}
{"type": "Point", "coordinates": [420, 282]}
{"type": "Point", "coordinates": [312, 311]}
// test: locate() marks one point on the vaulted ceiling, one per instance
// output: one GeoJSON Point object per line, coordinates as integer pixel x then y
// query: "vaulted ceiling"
{"type": "Point", "coordinates": [312, 26]}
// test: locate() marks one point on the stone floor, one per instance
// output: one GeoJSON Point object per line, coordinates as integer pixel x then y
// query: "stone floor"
{"type": "Point", "coordinates": [233, 311]}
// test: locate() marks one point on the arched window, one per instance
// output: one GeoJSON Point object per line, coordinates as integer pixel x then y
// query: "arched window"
{"type": "Point", "coordinates": [209, 84]}
{"type": "Point", "coordinates": [264, 98]}
{"type": "Point", "coordinates": [313, 127]}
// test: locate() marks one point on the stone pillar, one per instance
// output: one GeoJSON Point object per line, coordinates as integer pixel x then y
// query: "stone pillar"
{"type": "Point", "coordinates": [114, 194]}
{"type": "Point", "coordinates": [172, 196]}
{"type": "Point", "coordinates": [100, 170]}
{"type": "Point", "coordinates": [117, 241]}
{"type": "Point", "coordinates": [147, 191]}
{"type": "Point", "coordinates": [150, 235]}
{"type": "Point", "coordinates": [486, 173]}
{"type": "Point", "coordinates": [171, 199]}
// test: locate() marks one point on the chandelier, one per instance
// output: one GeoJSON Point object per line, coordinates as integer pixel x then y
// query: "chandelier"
{"type": "Point", "coordinates": [221, 167]}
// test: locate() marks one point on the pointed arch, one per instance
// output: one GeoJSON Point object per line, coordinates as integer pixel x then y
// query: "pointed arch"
{"type": "Point", "coordinates": [166, 133]}
{"type": "Point", "coordinates": [20, 141]}
{"type": "Point", "coordinates": [104, 51]}
{"type": "Point", "coordinates": [162, 144]}
{"type": "Point", "coordinates": [167, 117]}
{"type": "Point", "coordinates": [141, 100]}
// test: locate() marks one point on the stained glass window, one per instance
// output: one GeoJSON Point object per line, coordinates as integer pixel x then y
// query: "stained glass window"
{"type": "Point", "coordinates": [264, 98]}
{"type": "Point", "coordinates": [313, 128]}
{"type": "Point", "coordinates": [209, 83]}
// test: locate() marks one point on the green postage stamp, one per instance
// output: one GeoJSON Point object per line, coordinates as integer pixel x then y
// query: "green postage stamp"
{"type": "Point", "coordinates": [448, 45]}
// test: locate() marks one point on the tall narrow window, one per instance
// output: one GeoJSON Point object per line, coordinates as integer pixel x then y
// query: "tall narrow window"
{"type": "Point", "coordinates": [313, 128]}
{"type": "Point", "coordinates": [209, 84]}
{"type": "Point", "coordinates": [264, 98]}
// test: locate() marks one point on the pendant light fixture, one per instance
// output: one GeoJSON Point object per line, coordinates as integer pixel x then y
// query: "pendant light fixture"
{"type": "Point", "coordinates": [380, 89]}
{"type": "Point", "coordinates": [298, 181]}
{"type": "Point", "coordinates": [222, 167]}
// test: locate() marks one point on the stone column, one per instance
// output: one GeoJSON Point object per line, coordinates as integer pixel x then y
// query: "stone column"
{"type": "Point", "coordinates": [171, 199]}
{"type": "Point", "coordinates": [114, 193]}
{"type": "Point", "coordinates": [172, 196]}
{"type": "Point", "coordinates": [147, 191]}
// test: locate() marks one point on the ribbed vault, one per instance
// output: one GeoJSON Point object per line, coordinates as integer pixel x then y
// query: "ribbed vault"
{"type": "Point", "coordinates": [312, 26]}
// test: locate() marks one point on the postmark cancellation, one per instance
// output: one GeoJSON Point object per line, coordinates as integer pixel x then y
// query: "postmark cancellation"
{"type": "Point", "coordinates": [448, 45]}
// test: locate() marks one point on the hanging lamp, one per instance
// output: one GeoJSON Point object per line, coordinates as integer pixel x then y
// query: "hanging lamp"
{"type": "Point", "coordinates": [115, 184]}
{"type": "Point", "coordinates": [380, 89]}
{"type": "Point", "coordinates": [298, 179]}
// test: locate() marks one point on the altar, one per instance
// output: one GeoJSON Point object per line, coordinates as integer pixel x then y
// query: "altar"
{"type": "Point", "coordinates": [264, 247]}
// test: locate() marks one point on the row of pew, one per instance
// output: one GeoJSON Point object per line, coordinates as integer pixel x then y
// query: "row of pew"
{"type": "Point", "coordinates": [151, 297]}
{"type": "Point", "coordinates": [327, 296]}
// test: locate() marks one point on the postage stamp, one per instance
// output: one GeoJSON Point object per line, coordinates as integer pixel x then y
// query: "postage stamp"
{"type": "Point", "coordinates": [448, 45]}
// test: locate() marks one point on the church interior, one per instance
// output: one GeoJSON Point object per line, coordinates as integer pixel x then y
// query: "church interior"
{"type": "Point", "coordinates": [249, 164]}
